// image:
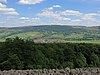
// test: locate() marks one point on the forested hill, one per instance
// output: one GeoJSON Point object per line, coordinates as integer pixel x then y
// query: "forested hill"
{"type": "Point", "coordinates": [51, 31]}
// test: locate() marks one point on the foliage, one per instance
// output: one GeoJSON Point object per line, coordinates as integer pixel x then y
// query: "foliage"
{"type": "Point", "coordinates": [18, 53]}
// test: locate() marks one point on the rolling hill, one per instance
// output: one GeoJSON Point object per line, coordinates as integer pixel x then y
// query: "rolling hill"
{"type": "Point", "coordinates": [52, 32]}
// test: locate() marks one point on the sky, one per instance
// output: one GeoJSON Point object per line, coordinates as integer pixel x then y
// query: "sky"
{"type": "Point", "coordinates": [14, 13]}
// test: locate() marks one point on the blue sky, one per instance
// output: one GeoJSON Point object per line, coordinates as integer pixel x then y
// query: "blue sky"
{"type": "Point", "coordinates": [49, 12]}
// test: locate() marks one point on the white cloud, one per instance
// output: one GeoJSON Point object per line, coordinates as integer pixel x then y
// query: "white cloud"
{"type": "Point", "coordinates": [56, 6]}
{"type": "Point", "coordinates": [70, 12]}
{"type": "Point", "coordinates": [76, 22]}
{"type": "Point", "coordinates": [90, 16]}
{"type": "Point", "coordinates": [62, 18]}
{"type": "Point", "coordinates": [50, 16]}
{"type": "Point", "coordinates": [13, 21]}
{"type": "Point", "coordinates": [5, 10]}
{"type": "Point", "coordinates": [30, 1]}
{"type": "Point", "coordinates": [2, 5]}
{"type": "Point", "coordinates": [29, 20]}
{"type": "Point", "coordinates": [52, 8]}
{"type": "Point", "coordinates": [3, 0]}
{"type": "Point", "coordinates": [53, 15]}
{"type": "Point", "coordinates": [23, 18]}
{"type": "Point", "coordinates": [49, 13]}
{"type": "Point", "coordinates": [69, 17]}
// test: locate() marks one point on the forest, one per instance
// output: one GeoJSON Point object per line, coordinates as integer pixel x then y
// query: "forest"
{"type": "Point", "coordinates": [20, 54]}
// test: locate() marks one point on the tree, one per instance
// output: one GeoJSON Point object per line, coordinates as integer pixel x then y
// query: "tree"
{"type": "Point", "coordinates": [13, 62]}
{"type": "Point", "coordinates": [16, 63]}
{"type": "Point", "coordinates": [68, 64]}
{"type": "Point", "coordinates": [69, 54]}
{"type": "Point", "coordinates": [94, 60]}
{"type": "Point", "coordinates": [80, 60]}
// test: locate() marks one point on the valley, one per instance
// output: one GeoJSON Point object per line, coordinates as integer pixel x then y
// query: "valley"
{"type": "Point", "coordinates": [53, 33]}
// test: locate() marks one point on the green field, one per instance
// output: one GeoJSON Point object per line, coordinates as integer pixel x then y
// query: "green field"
{"type": "Point", "coordinates": [86, 41]}
{"type": "Point", "coordinates": [76, 41]}
{"type": "Point", "coordinates": [27, 35]}
{"type": "Point", "coordinates": [53, 32]}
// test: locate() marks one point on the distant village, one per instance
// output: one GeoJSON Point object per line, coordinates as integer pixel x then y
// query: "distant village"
{"type": "Point", "coordinates": [48, 40]}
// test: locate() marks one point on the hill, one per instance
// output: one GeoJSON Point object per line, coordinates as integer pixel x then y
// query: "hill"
{"type": "Point", "coordinates": [52, 32]}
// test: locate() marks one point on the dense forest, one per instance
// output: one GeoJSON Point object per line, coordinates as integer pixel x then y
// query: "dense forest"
{"type": "Point", "coordinates": [18, 53]}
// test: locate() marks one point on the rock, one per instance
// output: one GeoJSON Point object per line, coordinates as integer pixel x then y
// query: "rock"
{"type": "Point", "coordinates": [66, 71]}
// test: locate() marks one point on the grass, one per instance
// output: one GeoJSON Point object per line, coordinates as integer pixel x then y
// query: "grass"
{"type": "Point", "coordinates": [57, 35]}
{"type": "Point", "coordinates": [32, 35]}
{"type": "Point", "coordinates": [2, 40]}
{"type": "Point", "coordinates": [76, 41]}
{"type": "Point", "coordinates": [74, 35]}
{"type": "Point", "coordinates": [26, 35]}
{"type": "Point", "coordinates": [85, 41]}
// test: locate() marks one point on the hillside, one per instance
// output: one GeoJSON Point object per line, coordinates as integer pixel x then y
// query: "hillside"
{"type": "Point", "coordinates": [52, 32]}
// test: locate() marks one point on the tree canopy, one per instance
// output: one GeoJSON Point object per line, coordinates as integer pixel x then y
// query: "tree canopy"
{"type": "Point", "coordinates": [18, 53]}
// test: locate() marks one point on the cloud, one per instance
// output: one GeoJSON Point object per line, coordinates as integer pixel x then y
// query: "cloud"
{"type": "Point", "coordinates": [2, 5]}
{"type": "Point", "coordinates": [52, 8]}
{"type": "Point", "coordinates": [32, 19]}
{"type": "Point", "coordinates": [90, 16]}
{"type": "Point", "coordinates": [69, 17]}
{"type": "Point", "coordinates": [26, 20]}
{"type": "Point", "coordinates": [13, 21]}
{"type": "Point", "coordinates": [30, 1]}
{"type": "Point", "coordinates": [58, 15]}
{"type": "Point", "coordinates": [3, 0]}
{"type": "Point", "coordinates": [5, 10]}
{"type": "Point", "coordinates": [56, 6]}
{"type": "Point", "coordinates": [53, 15]}
{"type": "Point", "coordinates": [70, 12]}
{"type": "Point", "coordinates": [50, 16]}
{"type": "Point", "coordinates": [49, 13]}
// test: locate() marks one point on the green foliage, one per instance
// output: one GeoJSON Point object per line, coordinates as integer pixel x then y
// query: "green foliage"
{"type": "Point", "coordinates": [18, 53]}
{"type": "Point", "coordinates": [80, 60]}
{"type": "Point", "coordinates": [68, 64]}
{"type": "Point", "coordinates": [16, 63]}
{"type": "Point", "coordinates": [94, 60]}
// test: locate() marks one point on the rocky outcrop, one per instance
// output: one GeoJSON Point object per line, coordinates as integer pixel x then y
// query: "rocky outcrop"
{"type": "Point", "coordinates": [66, 71]}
